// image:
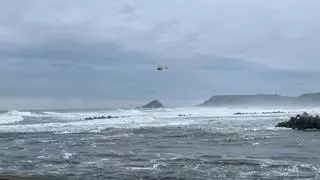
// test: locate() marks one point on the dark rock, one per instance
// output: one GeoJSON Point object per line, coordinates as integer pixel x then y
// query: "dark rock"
{"type": "Point", "coordinates": [240, 113]}
{"type": "Point", "coordinates": [305, 114]}
{"type": "Point", "coordinates": [301, 122]}
{"type": "Point", "coordinates": [152, 105]}
{"type": "Point", "coordinates": [273, 112]}
{"type": "Point", "coordinates": [101, 117]}
{"type": "Point", "coordinates": [183, 115]}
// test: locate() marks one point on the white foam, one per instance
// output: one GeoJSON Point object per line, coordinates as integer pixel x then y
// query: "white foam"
{"type": "Point", "coordinates": [68, 122]}
{"type": "Point", "coordinates": [71, 116]}
{"type": "Point", "coordinates": [76, 116]}
{"type": "Point", "coordinates": [67, 155]}
{"type": "Point", "coordinates": [13, 117]}
{"type": "Point", "coordinates": [76, 126]}
{"type": "Point", "coordinates": [14, 112]}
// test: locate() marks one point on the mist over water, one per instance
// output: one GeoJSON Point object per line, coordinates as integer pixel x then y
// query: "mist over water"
{"type": "Point", "coordinates": [205, 143]}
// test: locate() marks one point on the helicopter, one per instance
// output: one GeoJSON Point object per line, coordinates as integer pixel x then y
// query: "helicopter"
{"type": "Point", "coordinates": [162, 67]}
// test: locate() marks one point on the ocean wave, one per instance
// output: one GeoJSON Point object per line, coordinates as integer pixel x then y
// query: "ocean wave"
{"type": "Point", "coordinates": [242, 167]}
{"type": "Point", "coordinates": [221, 119]}
{"type": "Point", "coordinates": [13, 116]}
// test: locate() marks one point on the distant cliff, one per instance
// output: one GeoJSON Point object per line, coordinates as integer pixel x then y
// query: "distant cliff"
{"type": "Point", "coordinates": [308, 99]}
{"type": "Point", "coordinates": [310, 96]}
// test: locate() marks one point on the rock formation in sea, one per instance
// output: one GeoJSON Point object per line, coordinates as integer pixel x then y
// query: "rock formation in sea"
{"type": "Point", "coordinates": [301, 122]}
{"type": "Point", "coordinates": [152, 105]}
{"type": "Point", "coordinates": [247, 113]}
{"type": "Point", "coordinates": [103, 117]}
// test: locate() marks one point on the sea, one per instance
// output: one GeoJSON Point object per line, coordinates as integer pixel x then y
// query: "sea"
{"type": "Point", "coordinates": [175, 143]}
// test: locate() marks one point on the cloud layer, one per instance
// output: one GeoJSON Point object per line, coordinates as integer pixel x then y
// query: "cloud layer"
{"type": "Point", "coordinates": [109, 49]}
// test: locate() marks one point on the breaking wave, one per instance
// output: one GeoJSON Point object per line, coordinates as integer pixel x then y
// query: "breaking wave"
{"type": "Point", "coordinates": [163, 144]}
{"type": "Point", "coordinates": [13, 116]}
{"type": "Point", "coordinates": [67, 122]}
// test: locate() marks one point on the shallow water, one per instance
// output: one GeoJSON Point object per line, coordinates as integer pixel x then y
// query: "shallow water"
{"type": "Point", "coordinates": [206, 144]}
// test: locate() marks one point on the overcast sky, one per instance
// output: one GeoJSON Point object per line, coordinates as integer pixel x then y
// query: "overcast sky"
{"type": "Point", "coordinates": [109, 49]}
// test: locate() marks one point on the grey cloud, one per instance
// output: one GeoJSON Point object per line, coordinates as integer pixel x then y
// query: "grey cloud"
{"type": "Point", "coordinates": [127, 9]}
{"type": "Point", "coordinates": [67, 69]}
{"type": "Point", "coordinates": [109, 49]}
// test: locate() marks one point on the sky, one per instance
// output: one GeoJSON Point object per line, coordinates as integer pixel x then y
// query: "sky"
{"type": "Point", "coordinates": [75, 51]}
